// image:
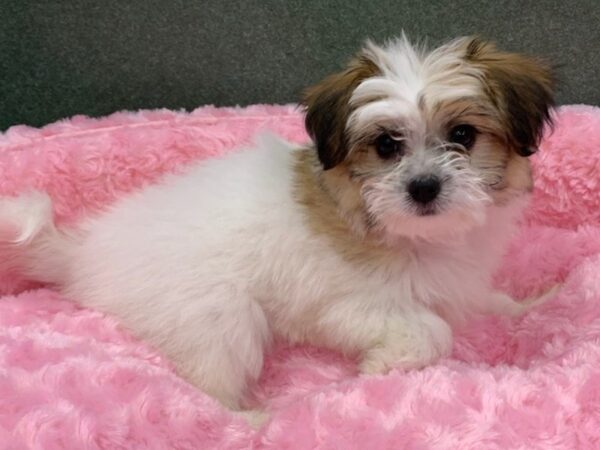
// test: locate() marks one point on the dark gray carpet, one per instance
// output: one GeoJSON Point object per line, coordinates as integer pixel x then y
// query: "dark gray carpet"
{"type": "Point", "coordinates": [59, 58]}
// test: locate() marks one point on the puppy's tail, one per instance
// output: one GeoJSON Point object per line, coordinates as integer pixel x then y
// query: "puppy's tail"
{"type": "Point", "coordinates": [30, 244]}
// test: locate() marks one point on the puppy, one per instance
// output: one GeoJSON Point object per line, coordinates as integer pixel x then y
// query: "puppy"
{"type": "Point", "coordinates": [371, 241]}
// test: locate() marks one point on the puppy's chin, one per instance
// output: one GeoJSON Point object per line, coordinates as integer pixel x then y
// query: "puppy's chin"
{"type": "Point", "coordinates": [432, 224]}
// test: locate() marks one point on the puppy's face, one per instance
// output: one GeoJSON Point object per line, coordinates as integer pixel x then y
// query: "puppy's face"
{"type": "Point", "coordinates": [425, 141]}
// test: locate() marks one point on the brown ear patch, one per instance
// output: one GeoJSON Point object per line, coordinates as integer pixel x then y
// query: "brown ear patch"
{"type": "Point", "coordinates": [520, 87]}
{"type": "Point", "coordinates": [327, 110]}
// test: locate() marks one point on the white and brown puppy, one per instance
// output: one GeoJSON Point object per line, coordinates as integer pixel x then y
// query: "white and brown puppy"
{"type": "Point", "coordinates": [370, 241]}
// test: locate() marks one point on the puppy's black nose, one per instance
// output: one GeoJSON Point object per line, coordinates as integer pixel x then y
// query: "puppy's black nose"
{"type": "Point", "coordinates": [424, 190]}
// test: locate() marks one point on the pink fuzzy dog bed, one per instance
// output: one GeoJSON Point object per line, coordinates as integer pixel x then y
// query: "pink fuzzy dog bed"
{"type": "Point", "coordinates": [70, 378]}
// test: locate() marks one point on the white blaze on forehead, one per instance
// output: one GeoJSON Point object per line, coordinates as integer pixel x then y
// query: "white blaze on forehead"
{"type": "Point", "coordinates": [400, 62]}
{"type": "Point", "coordinates": [412, 78]}
{"type": "Point", "coordinates": [387, 110]}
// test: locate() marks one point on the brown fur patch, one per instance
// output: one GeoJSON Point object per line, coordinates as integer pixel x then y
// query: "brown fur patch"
{"type": "Point", "coordinates": [327, 110]}
{"type": "Point", "coordinates": [334, 210]}
{"type": "Point", "coordinates": [517, 180]}
{"type": "Point", "coordinates": [473, 111]}
{"type": "Point", "coordinates": [520, 87]}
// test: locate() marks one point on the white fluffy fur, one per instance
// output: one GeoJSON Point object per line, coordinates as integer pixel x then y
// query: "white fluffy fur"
{"type": "Point", "coordinates": [210, 266]}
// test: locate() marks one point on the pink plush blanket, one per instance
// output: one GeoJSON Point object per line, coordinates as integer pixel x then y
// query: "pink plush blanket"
{"type": "Point", "coordinates": [70, 378]}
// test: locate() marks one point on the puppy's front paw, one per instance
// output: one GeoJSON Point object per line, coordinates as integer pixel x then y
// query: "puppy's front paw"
{"type": "Point", "coordinates": [256, 418]}
{"type": "Point", "coordinates": [409, 343]}
{"type": "Point", "coordinates": [543, 298]}
{"type": "Point", "coordinates": [503, 304]}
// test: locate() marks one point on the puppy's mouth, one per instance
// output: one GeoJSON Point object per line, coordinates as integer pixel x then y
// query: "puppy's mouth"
{"type": "Point", "coordinates": [425, 211]}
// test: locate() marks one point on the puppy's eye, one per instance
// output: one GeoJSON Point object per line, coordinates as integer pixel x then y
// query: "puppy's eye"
{"type": "Point", "coordinates": [463, 135]}
{"type": "Point", "coordinates": [387, 147]}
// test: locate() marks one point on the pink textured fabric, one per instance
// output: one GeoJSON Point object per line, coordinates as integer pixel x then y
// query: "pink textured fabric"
{"type": "Point", "coordinates": [71, 378]}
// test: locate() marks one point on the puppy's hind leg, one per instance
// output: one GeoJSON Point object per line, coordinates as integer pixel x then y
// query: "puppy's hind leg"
{"type": "Point", "coordinates": [222, 345]}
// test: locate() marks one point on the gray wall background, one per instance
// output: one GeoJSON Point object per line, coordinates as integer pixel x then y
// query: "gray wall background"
{"type": "Point", "coordinates": [59, 58]}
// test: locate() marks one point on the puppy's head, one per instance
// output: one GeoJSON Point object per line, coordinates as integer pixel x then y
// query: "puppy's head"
{"type": "Point", "coordinates": [428, 139]}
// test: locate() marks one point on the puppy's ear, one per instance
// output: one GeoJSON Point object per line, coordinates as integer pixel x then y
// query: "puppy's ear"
{"type": "Point", "coordinates": [520, 87]}
{"type": "Point", "coordinates": [327, 110]}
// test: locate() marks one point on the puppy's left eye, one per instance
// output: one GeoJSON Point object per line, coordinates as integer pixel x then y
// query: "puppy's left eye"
{"type": "Point", "coordinates": [464, 135]}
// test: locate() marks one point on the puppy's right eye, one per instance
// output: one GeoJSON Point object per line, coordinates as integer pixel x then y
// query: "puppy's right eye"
{"type": "Point", "coordinates": [387, 147]}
